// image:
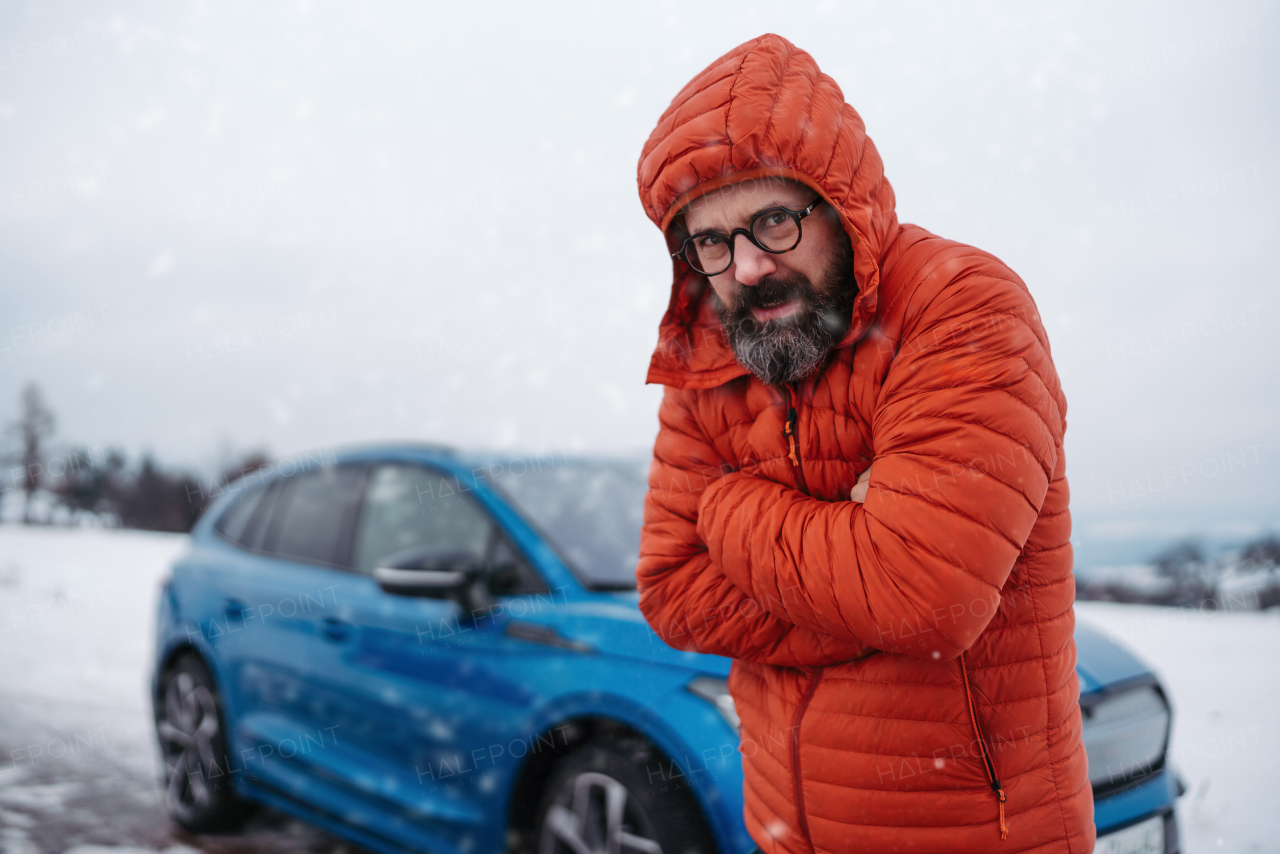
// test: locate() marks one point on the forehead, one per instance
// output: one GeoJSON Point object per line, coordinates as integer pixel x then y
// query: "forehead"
{"type": "Point", "coordinates": [733, 205]}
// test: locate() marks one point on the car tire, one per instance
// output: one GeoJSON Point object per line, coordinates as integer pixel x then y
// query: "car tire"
{"type": "Point", "coordinates": [193, 747]}
{"type": "Point", "coordinates": [645, 819]}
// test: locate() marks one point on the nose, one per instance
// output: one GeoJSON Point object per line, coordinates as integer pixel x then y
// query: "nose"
{"type": "Point", "coordinates": [750, 262]}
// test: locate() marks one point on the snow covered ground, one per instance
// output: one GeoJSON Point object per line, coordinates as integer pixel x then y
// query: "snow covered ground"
{"type": "Point", "coordinates": [78, 761]}
{"type": "Point", "coordinates": [78, 764]}
{"type": "Point", "coordinates": [1222, 672]}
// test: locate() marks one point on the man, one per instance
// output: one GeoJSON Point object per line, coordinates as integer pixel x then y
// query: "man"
{"type": "Point", "coordinates": [858, 486]}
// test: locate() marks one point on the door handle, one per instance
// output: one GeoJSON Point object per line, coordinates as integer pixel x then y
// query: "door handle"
{"type": "Point", "coordinates": [235, 608]}
{"type": "Point", "coordinates": [335, 629]}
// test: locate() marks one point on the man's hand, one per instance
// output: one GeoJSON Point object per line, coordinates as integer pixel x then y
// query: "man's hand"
{"type": "Point", "coordinates": [859, 491]}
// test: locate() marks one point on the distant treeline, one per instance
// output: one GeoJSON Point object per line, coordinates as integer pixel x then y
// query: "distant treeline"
{"type": "Point", "coordinates": [66, 484]}
{"type": "Point", "coordinates": [1184, 575]}
{"type": "Point", "coordinates": [145, 496]}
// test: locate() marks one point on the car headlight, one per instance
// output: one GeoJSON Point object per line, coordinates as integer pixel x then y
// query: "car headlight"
{"type": "Point", "coordinates": [1125, 734]}
{"type": "Point", "coordinates": [716, 692]}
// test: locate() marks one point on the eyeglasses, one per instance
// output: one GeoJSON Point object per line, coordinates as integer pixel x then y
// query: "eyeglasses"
{"type": "Point", "coordinates": [775, 230]}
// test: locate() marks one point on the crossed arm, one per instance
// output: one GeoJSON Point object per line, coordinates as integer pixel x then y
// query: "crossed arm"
{"type": "Point", "coordinates": [687, 598]}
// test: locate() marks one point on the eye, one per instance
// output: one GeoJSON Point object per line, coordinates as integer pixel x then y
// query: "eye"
{"type": "Point", "coordinates": [708, 241]}
{"type": "Point", "coordinates": [773, 219]}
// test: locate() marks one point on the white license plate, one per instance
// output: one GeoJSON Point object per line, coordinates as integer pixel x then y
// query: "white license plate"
{"type": "Point", "coordinates": [1145, 837]}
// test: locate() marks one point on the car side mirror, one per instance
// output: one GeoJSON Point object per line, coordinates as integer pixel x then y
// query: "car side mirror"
{"type": "Point", "coordinates": [434, 573]}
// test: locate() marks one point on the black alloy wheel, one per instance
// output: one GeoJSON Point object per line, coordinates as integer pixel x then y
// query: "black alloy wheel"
{"type": "Point", "coordinates": [599, 801]}
{"type": "Point", "coordinates": [197, 783]}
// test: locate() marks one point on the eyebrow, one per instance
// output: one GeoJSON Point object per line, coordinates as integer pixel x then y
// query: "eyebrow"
{"type": "Point", "coordinates": [776, 203]}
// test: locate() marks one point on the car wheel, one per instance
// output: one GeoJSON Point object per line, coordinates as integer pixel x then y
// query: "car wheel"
{"type": "Point", "coordinates": [599, 801]}
{"type": "Point", "coordinates": [197, 785]}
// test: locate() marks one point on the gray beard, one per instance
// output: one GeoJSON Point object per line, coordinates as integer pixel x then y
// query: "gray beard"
{"type": "Point", "coordinates": [787, 350]}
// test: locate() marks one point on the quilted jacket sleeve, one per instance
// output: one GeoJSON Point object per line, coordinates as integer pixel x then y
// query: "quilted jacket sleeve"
{"type": "Point", "coordinates": [687, 600]}
{"type": "Point", "coordinates": [967, 434]}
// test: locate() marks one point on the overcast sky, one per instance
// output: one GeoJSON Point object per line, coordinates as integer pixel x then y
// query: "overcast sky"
{"type": "Point", "coordinates": [294, 226]}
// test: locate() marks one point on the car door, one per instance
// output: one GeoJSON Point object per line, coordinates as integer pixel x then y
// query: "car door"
{"type": "Point", "coordinates": [437, 688]}
{"type": "Point", "coordinates": [284, 609]}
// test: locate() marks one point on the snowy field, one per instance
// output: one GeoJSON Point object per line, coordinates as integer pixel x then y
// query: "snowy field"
{"type": "Point", "coordinates": [78, 765]}
{"type": "Point", "coordinates": [78, 762]}
{"type": "Point", "coordinates": [1222, 672]}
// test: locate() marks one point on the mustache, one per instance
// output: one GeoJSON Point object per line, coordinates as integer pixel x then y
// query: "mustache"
{"type": "Point", "coordinates": [788, 349]}
{"type": "Point", "coordinates": [769, 292]}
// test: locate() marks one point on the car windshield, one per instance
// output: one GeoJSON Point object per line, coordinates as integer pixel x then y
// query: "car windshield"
{"type": "Point", "coordinates": [590, 510]}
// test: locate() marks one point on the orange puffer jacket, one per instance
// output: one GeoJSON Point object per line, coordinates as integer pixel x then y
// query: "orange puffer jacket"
{"type": "Point", "coordinates": [904, 668]}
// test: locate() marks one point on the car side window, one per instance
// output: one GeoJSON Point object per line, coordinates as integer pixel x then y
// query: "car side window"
{"type": "Point", "coordinates": [512, 575]}
{"type": "Point", "coordinates": [255, 528]}
{"type": "Point", "coordinates": [407, 506]}
{"type": "Point", "coordinates": [312, 514]}
{"type": "Point", "coordinates": [245, 522]}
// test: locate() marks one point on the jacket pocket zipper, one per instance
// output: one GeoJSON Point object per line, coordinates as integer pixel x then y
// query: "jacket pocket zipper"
{"type": "Point", "coordinates": [801, 818]}
{"type": "Point", "coordinates": [988, 762]}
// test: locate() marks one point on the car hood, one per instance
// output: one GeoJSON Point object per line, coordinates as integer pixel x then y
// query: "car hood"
{"type": "Point", "coordinates": [612, 624]}
{"type": "Point", "coordinates": [1101, 662]}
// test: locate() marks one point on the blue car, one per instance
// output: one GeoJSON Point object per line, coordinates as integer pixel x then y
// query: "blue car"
{"type": "Point", "coordinates": [422, 650]}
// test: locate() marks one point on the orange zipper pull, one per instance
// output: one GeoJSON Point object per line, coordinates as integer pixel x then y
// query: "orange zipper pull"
{"type": "Point", "coordinates": [1004, 831]}
{"type": "Point", "coordinates": [789, 431]}
{"type": "Point", "coordinates": [988, 763]}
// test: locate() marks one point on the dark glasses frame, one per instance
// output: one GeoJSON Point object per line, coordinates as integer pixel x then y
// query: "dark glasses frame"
{"type": "Point", "coordinates": [732, 237]}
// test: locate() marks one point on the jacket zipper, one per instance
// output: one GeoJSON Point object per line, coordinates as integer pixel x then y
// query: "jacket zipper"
{"type": "Point", "coordinates": [793, 452]}
{"type": "Point", "coordinates": [988, 763]}
{"type": "Point", "coordinates": [801, 817]}
{"type": "Point", "coordinates": [789, 431]}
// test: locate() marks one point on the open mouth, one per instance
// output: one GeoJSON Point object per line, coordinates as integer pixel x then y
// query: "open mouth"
{"type": "Point", "coordinates": [774, 312]}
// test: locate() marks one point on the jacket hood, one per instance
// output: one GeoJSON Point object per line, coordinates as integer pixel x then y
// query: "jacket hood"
{"type": "Point", "coordinates": [764, 109]}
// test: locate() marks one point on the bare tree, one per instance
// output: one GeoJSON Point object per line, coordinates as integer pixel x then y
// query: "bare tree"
{"type": "Point", "coordinates": [1194, 577]}
{"type": "Point", "coordinates": [92, 482]}
{"type": "Point", "coordinates": [154, 499]}
{"type": "Point", "coordinates": [1264, 555]}
{"type": "Point", "coordinates": [33, 429]}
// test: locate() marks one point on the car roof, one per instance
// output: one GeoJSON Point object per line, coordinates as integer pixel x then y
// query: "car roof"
{"type": "Point", "coordinates": [397, 450]}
